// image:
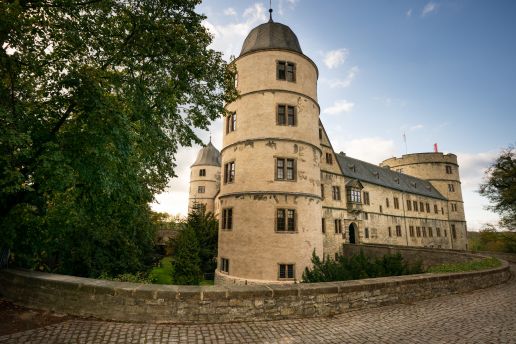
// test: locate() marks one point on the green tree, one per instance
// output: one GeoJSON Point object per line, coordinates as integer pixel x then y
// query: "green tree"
{"type": "Point", "coordinates": [186, 263]}
{"type": "Point", "coordinates": [95, 99]}
{"type": "Point", "coordinates": [206, 229]}
{"type": "Point", "coordinates": [500, 187]}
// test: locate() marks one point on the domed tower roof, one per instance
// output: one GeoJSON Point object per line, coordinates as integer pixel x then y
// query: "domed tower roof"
{"type": "Point", "coordinates": [208, 155]}
{"type": "Point", "coordinates": [271, 35]}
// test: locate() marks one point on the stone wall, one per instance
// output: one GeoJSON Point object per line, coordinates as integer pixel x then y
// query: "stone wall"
{"type": "Point", "coordinates": [181, 304]}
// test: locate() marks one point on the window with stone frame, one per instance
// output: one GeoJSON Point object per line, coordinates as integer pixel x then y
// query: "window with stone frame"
{"type": "Point", "coordinates": [396, 203]}
{"type": "Point", "coordinates": [338, 226]}
{"type": "Point", "coordinates": [231, 122]}
{"type": "Point", "coordinates": [366, 233]}
{"type": "Point", "coordinates": [329, 158]}
{"type": "Point", "coordinates": [422, 207]}
{"type": "Point", "coordinates": [335, 193]}
{"type": "Point", "coordinates": [453, 232]}
{"type": "Point", "coordinates": [201, 189]}
{"type": "Point", "coordinates": [322, 191]}
{"type": "Point", "coordinates": [414, 203]}
{"type": "Point", "coordinates": [229, 172]}
{"type": "Point", "coordinates": [224, 265]}
{"type": "Point", "coordinates": [423, 231]}
{"type": "Point", "coordinates": [438, 232]}
{"type": "Point", "coordinates": [409, 205]}
{"type": "Point", "coordinates": [286, 115]}
{"type": "Point", "coordinates": [451, 188]}
{"type": "Point", "coordinates": [387, 202]}
{"type": "Point", "coordinates": [286, 70]}
{"type": "Point", "coordinates": [398, 231]}
{"type": "Point", "coordinates": [323, 225]}
{"type": "Point", "coordinates": [389, 230]}
{"type": "Point", "coordinates": [418, 231]}
{"type": "Point", "coordinates": [202, 172]}
{"type": "Point", "coordinates": [427, 207]}
{"type": "Point", "coordinates": [366, 198]}
{"type": "Point", "coordinates": [285, 169]}
{"type": "Point", "coordinates": [411, 231]}
{"type": "Point", "coordinates": [448, 169]}
{"type": "Point", "coordinates": [354, 194]}
{"type": "Point", "coordinates": [286, 271]}
{"type": "Point", "coordinates": [285, 220]}
{"type": "Point", "coordinates": [436, 209]}
{"type": "Point", "coordinates": [430, 232]}
{"type": "Point", "coordinates": [227, 219]}
{"type": "Point", "coordinates": [453, 207]}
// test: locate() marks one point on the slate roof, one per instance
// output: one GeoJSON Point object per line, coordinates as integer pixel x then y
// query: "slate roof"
{"type": "Point", "coordinates": [271, 35]}
{"type": "Point", "coordinates": [370, 173]}
{"type": "Point", "coordinates": [208, 155]}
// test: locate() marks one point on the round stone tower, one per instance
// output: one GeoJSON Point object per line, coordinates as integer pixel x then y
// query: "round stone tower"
{"type": "Point", "coordinates": [205, 179]}
{"type": "Point", "coordinates": [270, 204]}
{"type": "Point", "coordinates": [442, 171]}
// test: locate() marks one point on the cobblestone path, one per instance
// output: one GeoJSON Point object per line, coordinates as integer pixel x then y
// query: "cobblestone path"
{"type": "Point", "coordinates": [482, 316]}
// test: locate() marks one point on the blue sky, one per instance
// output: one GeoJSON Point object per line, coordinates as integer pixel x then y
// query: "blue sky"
{"type": "Point", "coordinates": [439, 71]}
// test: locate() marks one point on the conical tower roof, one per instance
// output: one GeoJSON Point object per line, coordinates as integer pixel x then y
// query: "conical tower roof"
{"type": "Point", "coordinates": [208, 155]}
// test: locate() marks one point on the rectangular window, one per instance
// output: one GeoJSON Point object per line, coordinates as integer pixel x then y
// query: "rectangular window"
{"type": "Point", "coordinates": [387, 202]}
{"type": "Point", "coordinates": [200, 189]}
{"type": "Point", "coordinates": [286, 71]}
{"type": "Point", "coordinates": [336, 193]}
{"type": "Point", "coordinates": [227, 218]}
{"type": "Point", "coordinates": [451, 188]}
{"type": "Point", "coordinates": [398, 231]}
{"type": "Point", "coordinates": [354, 195]}
{"type": "Point", "coordinates": [436, 210]}
{"type": "Point", "coordinates": [418, 231]}
{"type": "Point", "coordinates": [286, 271]}
{"type": "Point", "coordinates": [229, 172]}
{"type": "Point", "coordinates": [329, 158]}
{"type": "Point", "coordinates": [438, 232]}
{"type": "Point", "coordinates": [285, 169]}
{"type": "Point", "coordinates": [320, 133]}
{"type": "Point", "coordinates": [411, 230]}
{"type": "Point", "coordinates": [286, 115]}
{"type": "Point", "coordinates": [224, 265]}
{"type": "Point", "coordinates": [231, 122]}
{"type": "Point", "coordinates": [366, 233]}
{"type": "Point", "coordinates": [322, 191]}
{"type": "Point", "coordinates": [338, 226]}
{"type": "Point", "coordinates": [409, 205]}
{"type": "Point", "coordinates": [202, 172]}
{"type": "Point", "coordinates": [285, 220]}
{"type": "Point", "coordinates": [453, 207]}
{"type": "Point", "coordinates": [323, 225]}
{"type": "Point", "coordinates": [421, 207]}
{"type": "Point", "coordinates": [428, 207]}
{"type": "Point", "coordinates": [381, 209]}
{"type": "Point", "coordinates": [366, 197]}
{"type": "Point", "coordinates": [448, 169]}
{"type": "Point", "coordinates": [430, 232]}
{"type": "Point", "coordinates": [396, 203]}
{"type": "Point", "coordinates": [453, 232]}
{"type": "Point", "coordinates": [390, 234]}
{"type": "Point", "coordinates": [423, 230]}
{"type": "Point", "coordinates": [414, 203]}
{"type": "Point", "coordinates": [366, 216]}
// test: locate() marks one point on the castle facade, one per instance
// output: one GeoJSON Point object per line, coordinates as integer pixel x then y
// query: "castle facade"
{"type": "Point", "coordinates": [281, 192]}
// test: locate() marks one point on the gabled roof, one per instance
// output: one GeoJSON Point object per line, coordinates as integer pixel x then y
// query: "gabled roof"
{"type": "Point", "coordinates": [370, 173]}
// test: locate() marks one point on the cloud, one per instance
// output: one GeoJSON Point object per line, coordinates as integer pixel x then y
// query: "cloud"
{"type": "Point", "coordinates": [290, 4]}
{"type": "Point", "coordinates": [228, 38]}
{"type": "Point", "coordinates": [409, 12]}
{"type": "Point", "coordinates": [230, 11]}
{"type": "Point", "coordinates": [388, 101]}
{"type": "Point", "coordinates": [371, 149]}
{"type": "Point", "coordinates": [334, 58]}
{"type": "Point", "coordinates": [429, 8]}
{"type": "Point", "coordinates": [339, 106]}
{"type": "Point", "coordinates": [472, 169]}
{"type": "Point", "coordinates": [346, 82]}
{"type": "Point", "coordinates": [412, 127]}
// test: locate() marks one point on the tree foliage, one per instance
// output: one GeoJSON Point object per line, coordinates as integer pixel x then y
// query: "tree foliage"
{"type": "Point", "coordinates": [500, 187]}
{"type": "Point", "coordinates": [357, 267]}
{"type": "Point", "coordinates": [186, 262]}
{"type": "Point", "coordinates": [95, 98]}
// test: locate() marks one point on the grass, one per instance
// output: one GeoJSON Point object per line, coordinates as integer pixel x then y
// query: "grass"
{"type": "Point", "coordinates": [486, 263]}
{"type": "Point", "coordinates": [163, 273]}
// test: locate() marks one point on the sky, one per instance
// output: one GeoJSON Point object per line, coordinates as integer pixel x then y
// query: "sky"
{"type": "Point", "coordinates": [437, 71]}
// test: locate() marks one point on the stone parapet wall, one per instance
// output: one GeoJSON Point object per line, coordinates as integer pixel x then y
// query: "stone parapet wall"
{"type": "Point", "coordinates": [123, 301]}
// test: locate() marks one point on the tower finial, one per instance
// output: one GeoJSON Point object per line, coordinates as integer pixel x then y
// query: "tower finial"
{"type": "Point", "coordinates": [270, 11]}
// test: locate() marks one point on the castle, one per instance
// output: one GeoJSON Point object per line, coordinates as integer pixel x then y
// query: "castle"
{"type": "Point", "coordinates": [281, 192]}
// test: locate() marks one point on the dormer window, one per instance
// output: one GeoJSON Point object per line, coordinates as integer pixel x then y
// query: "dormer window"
{"type": "Point", "coordinates": [286, 71]}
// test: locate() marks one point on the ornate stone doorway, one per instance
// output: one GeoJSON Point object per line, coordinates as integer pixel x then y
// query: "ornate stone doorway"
{"type": "Point", "coordinates": [352, 233]}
